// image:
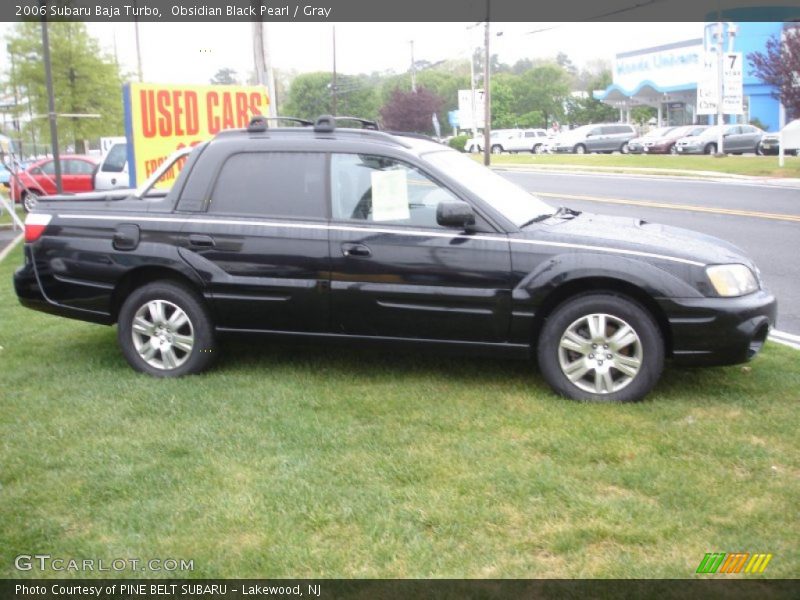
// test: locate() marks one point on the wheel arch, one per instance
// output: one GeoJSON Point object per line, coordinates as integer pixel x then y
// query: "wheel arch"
{"type": "Point", "coordinates": [600, 284]}
{"type": "Point", "coordinates": [139, 276]}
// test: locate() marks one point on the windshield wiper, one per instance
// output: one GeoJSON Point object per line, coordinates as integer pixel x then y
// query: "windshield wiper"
{"type": "Point", "coordinates": [562, 211]}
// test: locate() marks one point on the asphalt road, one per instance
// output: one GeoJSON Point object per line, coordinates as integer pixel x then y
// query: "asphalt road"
{"type": "Point", "coordinates": [763, 220]}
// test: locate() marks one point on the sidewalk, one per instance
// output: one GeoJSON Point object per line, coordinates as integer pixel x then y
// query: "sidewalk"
{"type": "Point", "coordinates": [786, 182]}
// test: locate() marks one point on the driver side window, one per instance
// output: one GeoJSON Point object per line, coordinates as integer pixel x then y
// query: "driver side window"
{"type": "Point", "coordinates": [378, 189]}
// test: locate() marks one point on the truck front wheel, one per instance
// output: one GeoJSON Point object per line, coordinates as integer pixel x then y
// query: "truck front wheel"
{"type": "Point", "coordinates": [165, 330]}
{"type": "Point", "coordinates": [601, 348]}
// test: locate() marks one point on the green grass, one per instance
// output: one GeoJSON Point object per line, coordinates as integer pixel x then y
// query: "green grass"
{"type": "Point", "coordinates": [763, 166]}
{"type": "Point", "coordinates": [5, 218]}
{"type": "Point", "coordinates": [304, 461]}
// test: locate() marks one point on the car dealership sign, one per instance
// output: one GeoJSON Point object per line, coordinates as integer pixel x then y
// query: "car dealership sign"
{"type": "Point", "coordinates": [160, 119]}
{"type": "Point", "coordinates": [665, 67]}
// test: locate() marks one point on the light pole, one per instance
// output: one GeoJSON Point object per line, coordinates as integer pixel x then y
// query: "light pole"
{"type": "Point", "coordinates": [51, 105]}
{"type": "Point", "coordinates": [333, 84]}
{"type": "Point", "coordinates": [720, 118]}
{"type": "Point", "coordinates": [487, 95]}
{"type": "Point", "coordinates": [413, 69]}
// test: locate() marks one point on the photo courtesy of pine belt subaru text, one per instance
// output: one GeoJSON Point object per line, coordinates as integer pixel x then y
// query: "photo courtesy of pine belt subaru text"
{"type": "Point", "coordinates": [319, 232]}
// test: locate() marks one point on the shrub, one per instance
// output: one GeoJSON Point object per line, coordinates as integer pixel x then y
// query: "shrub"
{"type": "Point", "coordinates": [458, 142]}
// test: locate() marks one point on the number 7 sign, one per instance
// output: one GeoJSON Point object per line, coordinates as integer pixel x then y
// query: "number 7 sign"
{"type": "Point", "coordinates": [732, 81]}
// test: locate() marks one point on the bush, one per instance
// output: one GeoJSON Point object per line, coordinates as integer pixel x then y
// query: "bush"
{"type": "Point", "coordinates": [458, 142]}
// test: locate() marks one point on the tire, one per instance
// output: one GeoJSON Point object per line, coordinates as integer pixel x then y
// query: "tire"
{"type": "Point", "coordinates": [29, 200]}
{"type": "Point", "coordinates": [157, 330]}
{"type": "Point", "coordinates": [673, 149]}
{"type": "Point", "coordinates": [710, 149]}
{"type": "Point", "coordinates": [624, 148]}
{"type": "Point", "coordinates": [537, 149]}
{"type": "Point", "coordinates": [759, 150]}
{"type": "Point", "coordinates": [592, 377]}
{"type": "Point", "coordinates": [579, 149]}
{"type": "Point", "coordinates": [497, 149]}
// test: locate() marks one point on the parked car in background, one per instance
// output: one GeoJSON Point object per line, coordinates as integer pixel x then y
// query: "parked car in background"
{"type": "Point", "coordinates": [498, 138]}
{"type": "Point", "coordinates": [112, 173]}
{"type": "Point", "coordinates": [770, 143]}
{"type": "Point", "coordinates": [596, 138]}
{"type": "Point", "coordinates": [737, 139]}
{"type": "Point", "coordinates": [666, 143]}
{"type": "Point", "coordinates": [39, 179]}
{"type": "Point", "coordinates": [637, 144]}
{"type": "Point", "coordinates": [524, 140]}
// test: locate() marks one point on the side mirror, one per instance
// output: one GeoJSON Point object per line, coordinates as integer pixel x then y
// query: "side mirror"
{"type": "Point", "coordinates": [455, 213]}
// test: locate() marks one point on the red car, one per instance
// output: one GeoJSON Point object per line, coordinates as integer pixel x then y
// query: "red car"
{"type": "Point", "coordinates": [39, 179]}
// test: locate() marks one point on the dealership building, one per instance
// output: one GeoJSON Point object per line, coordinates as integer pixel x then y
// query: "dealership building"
{"type": "Point", "coordinates": [666, 77]}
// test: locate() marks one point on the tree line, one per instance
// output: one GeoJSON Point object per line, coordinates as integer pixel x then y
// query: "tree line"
{"type": "Point", "coordinates": [532, 92]}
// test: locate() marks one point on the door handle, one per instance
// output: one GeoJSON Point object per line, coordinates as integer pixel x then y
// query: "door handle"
{"type": "Point", "coordinates": [359, 250]}
{"type": "Point", "coordinates": [201, 241]}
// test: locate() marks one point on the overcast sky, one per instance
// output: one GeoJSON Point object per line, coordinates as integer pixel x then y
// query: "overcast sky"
{"type": "Point", "coordinates": [193, 52]}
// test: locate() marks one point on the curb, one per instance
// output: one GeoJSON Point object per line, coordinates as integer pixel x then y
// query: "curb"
{"type": "Point", "coordinates": [681, 174]}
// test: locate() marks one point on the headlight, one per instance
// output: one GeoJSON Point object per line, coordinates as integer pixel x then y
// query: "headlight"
{"type": "Point", "coordinates": [732, 280]}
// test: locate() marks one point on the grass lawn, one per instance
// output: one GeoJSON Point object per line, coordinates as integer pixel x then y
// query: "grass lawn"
{"type": "Point", "coordinates": [5, 218]}
{"type": "Point", "coordinates": [763, 166]}
{"type": "Point", "coordinates": [302, 461]}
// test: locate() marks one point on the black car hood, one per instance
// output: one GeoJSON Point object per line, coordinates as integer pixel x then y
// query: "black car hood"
{"type": "Point", "coordinates": [627, 233]}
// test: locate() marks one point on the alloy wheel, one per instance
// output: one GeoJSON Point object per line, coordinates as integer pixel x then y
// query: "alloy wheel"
{"type": "Point", "coordinates": [163, 334]}
{"type": "Point", "coordinates": [600, 353]}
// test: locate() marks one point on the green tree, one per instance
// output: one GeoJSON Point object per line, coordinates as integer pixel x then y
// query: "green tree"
{"type": "Point", "coordinates": [587, 109]}
{"type": "Point", "coordinates": [225, 76]}
{"type": "Point", "coordinates": [85, 81]}
{"type": "Point", "coordinates": [542, 91]}
{"type": "Point", "coordinates": [311, 95]}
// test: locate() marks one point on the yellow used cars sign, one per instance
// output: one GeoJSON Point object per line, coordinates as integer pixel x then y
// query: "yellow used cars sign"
{"type": "Point", "coordinates": [160, 119]}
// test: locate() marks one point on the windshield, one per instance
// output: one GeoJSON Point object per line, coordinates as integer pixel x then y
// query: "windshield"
{"type": "Point", "coordinates": [514, 203]}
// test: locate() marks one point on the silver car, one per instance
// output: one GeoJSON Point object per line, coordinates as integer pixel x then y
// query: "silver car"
{"type": "Point", "coordinates": [736, 139]}
{"type": "Point", "coordinates": [596, 138]}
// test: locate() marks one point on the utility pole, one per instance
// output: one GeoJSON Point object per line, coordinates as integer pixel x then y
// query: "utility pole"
{"type": "Point", "coordinates": [16, 119]}
{"type": "Point", "coordinates": [51, 105]}
{"type": "Point", "coordinates": [413, 69]}
{"type": "Point", "coordinates": [472, 89]}
{"type": "Point", "coordinates": [487, 96]}
{"type": "Point", "coordinates": [720, 117]}
{"type": "Point", "coordinates": [263, 64]}
{"type": "Point", "coordinates": [333, 84]}
{"type": "Point", "coordinates": [138, 46]}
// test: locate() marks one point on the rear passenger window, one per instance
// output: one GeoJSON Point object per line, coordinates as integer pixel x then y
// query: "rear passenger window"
{"type": "Point", "coordinates": [271, 184]}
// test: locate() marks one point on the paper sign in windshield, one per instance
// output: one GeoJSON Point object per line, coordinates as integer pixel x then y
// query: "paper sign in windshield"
{"type": "Point", "coordinates": [390, 196]}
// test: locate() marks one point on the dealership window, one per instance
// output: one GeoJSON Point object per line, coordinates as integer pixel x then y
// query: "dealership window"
{"type": "Point", "coordinates": [379, 189]}
{"type": "Point", "coordinates": [271, 184]}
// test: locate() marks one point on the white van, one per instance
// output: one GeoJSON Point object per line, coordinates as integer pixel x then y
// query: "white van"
{"type": "Point", "coordinates": [112, 173]}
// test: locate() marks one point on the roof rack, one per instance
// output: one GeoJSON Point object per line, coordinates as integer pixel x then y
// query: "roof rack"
{"type": "Point", "coordinates": [327, 123]}
{"type": "Point", "coordinates": [413, 134]}
{"type": "Point", "coordinates": [258, 124]}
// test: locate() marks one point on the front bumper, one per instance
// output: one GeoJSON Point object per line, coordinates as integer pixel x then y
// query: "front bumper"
{"type": "Point", "coordinates": [719, 331]}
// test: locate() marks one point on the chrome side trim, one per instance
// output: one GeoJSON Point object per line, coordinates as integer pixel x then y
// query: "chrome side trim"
{"type": "Point", "coordinates": [407, 232]}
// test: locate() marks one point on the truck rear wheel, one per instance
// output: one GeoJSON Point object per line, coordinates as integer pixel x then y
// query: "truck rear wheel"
{"type": "Point", "coordinates": [165, 330]}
